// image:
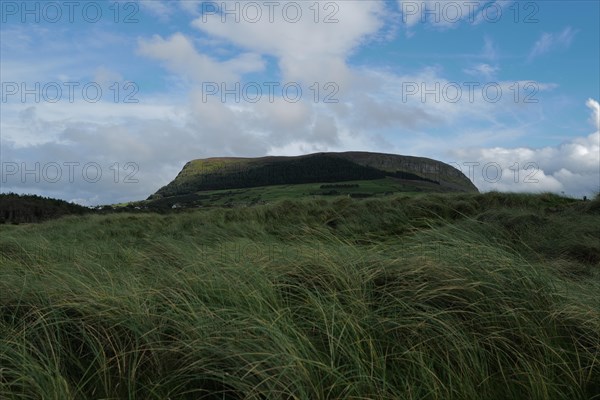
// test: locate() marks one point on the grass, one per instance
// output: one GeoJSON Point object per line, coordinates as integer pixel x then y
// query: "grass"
{"type": "Point", "coordinates": [267, 194]}
{"type": "Point", "coordinates": [378, 187]}
{"type": "Point", "coordinates": [446, 296]}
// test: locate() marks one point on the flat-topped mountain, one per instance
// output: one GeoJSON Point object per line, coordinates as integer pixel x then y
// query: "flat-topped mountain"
{"type": "Point", "coordinates": [318, 174]}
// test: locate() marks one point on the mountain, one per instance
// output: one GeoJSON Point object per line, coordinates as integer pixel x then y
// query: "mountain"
{"type": "Point", "coordinates": [358, 174]}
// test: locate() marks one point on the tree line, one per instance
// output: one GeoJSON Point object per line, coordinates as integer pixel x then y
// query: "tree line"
{"type": "Point", "coordinates": [29, 208]}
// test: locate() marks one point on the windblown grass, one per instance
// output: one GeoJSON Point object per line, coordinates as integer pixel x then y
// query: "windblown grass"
{"type": "Point", "coordinates": [489, 296]}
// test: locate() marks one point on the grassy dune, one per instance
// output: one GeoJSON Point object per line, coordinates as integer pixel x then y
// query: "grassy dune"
{"type": "Point", "coordinates": [449, 296]}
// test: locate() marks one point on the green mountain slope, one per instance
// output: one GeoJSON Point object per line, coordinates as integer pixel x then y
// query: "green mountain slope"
{"type": "Point", "coordinates": [393, 172]}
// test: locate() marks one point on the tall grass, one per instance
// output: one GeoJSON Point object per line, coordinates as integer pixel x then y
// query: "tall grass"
{"type": "Point", "coordinates": [437, 297]}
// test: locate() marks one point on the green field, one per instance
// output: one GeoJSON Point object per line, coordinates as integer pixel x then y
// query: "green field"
{"type": "Point", "coordinates": [404, 296]}
{"type": "Point", "coordinates": [250, 196]}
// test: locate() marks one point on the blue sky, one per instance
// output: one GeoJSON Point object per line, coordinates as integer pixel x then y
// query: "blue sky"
{"type": "Point", "coordinates": [510, 86]}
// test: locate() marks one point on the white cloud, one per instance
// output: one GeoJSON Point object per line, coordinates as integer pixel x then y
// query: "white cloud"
{"type": "Point", "coordinates": [572, 167]}
{"type": "Point", "coordinates": [180, 56]}
{"type": "Point", "coordinates": [482, 70]}
{"type": "Point", "coordinates": [550, 41]}
{"type": "Point", "coordinates": [302, 51]}
{"type": "Point", "coordinates": [595, 117]}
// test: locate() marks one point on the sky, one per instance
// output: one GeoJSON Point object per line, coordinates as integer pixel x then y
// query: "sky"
{"type": "Point", "coordinates": [105, 101]}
